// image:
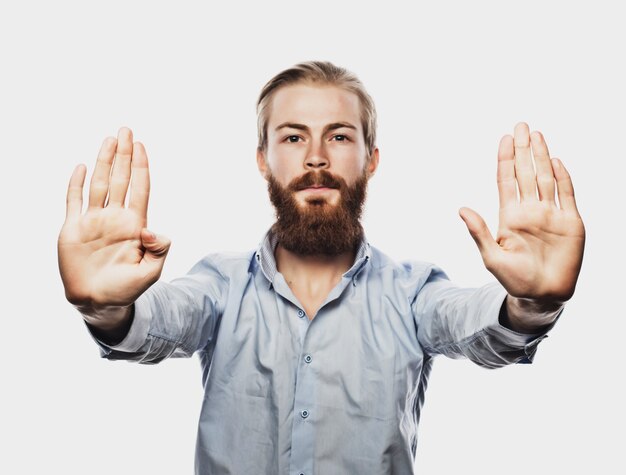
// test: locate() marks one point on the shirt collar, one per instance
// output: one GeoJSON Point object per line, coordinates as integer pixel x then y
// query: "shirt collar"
{"type": "Point", "coordinates": [266, 260]}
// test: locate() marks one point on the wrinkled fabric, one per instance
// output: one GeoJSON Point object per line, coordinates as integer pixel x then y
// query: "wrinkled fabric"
{"type": "Point", "coordinates": [338, 394]}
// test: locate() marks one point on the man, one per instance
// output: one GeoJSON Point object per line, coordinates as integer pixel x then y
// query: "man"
{"type": "Point", "coordinates": [316, 348]}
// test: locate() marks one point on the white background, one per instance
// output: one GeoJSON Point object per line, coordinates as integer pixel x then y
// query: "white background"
{"type": "Point", "coordinates": [449, 79]}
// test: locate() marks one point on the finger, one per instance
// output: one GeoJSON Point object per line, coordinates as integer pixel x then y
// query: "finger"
{"type": "Point", "coordinates": [120, 176]}
{"type": "Point", "coordinates": [75, 192]}
{"type": "Point", "coordinates": [156, 248]}
{"type": "Point", "coordinates": [545, 176]}
{"type": "Point", "coordinates": [479, 231]}
{"type": "Point", "coordinates": [507, 186]}
{"type": "Point", "coordinates": [99, 186]}
{"type": "Point", "coordinates": [140, 181]}
{"type": "Point", "coordinates": [524, 170]}
{"type": "Point", "coordinates": [564, 186]}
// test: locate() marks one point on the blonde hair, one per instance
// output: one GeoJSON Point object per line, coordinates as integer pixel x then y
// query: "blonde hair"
{"type": "Point", "coordinates": [318, 72]}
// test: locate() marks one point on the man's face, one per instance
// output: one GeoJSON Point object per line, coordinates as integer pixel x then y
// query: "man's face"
{"type": "Point", "coordinates": [317, 168]}
{"type": "Point", "coordinates": [313, 128]}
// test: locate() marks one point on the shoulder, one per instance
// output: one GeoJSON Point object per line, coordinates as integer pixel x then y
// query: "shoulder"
{"type": "Point", "coordinates": [226, 264]}
{"type": "Point", "coordinates": [412, 272]}
{"type": "Point", "coordinates": [384, 263]}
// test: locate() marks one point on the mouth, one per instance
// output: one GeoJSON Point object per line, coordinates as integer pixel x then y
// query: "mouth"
{"type": "Point", "coordinates": [317, 190]}
{"type": "Point", "coordinates": [317, 195]}
{"type": "Point", "coordinates": [318, 187]}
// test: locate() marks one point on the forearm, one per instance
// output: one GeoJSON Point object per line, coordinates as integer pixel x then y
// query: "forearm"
{"type": "Point", "coordinates": [109, 324]}
{"type": "Point", "coordinates": [458, 322]}
{"type": "Point", "coordinates": [527, 315]}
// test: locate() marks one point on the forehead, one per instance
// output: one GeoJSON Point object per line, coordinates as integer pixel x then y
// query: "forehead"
{"type": "Point", "coordinates": [314, 105]}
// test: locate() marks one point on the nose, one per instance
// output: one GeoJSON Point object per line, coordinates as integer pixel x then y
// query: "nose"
{"type": "Point", "coordinates": [316, 159]}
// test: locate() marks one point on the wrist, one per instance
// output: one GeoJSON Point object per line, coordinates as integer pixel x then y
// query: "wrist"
{"type": "Point", "coordinates": [110, 324]}
{"type": "Point", "coordinates": [529, 315]}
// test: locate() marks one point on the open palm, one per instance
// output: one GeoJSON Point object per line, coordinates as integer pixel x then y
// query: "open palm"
{"type": "Point", "coordinates": [107, 257]}
{"type": "Point", "coordinates": [538, 250]}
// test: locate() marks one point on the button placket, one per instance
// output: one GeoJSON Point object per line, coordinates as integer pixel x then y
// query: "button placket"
{"type": "Point", "coordinates": [303, 425]}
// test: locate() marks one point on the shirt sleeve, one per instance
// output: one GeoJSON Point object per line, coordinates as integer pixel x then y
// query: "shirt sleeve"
{"type": "Point", "coordinates": [459, 322]}
{"type": "Point", "coordinates": [173, 319]}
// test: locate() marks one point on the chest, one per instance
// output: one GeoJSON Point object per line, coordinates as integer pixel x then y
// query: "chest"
{"type": "Point", "coordinates": [311, 299]}
{"type": "Point", "coordinates": [360, 352]}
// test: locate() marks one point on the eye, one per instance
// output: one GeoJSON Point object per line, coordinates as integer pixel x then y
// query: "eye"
{"type": "Point", "coordinates": [341, 138]}
{"type": "Point", "coordinates": [293, 139]}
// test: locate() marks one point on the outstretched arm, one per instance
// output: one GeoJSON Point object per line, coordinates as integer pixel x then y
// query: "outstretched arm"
{"type": "Point", "coordinates": [107, 257]}
{"type": "Point", "coordinates": [538, 250]}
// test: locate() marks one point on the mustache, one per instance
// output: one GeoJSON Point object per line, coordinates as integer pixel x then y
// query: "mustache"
{"type": "Point", "coordinates": [321, 178]}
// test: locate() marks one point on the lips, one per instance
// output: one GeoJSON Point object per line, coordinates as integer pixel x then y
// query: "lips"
{"type": "Point", "coordinates": [319, 187]}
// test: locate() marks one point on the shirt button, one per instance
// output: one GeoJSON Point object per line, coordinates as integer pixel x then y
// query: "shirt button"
{"type": "Point", "coordinates": [308, 358]}
{"type": "Point", "coordinates": [300, 313]}
{"type": "Point", "coordinates": [304, 414]}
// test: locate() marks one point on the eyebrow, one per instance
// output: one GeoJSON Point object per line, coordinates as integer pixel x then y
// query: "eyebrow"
{"type": "Point", "coordinates": [329, 127]}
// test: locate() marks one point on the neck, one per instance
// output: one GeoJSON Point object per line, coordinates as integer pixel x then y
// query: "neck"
{"type": "Point", "coordinates": [312, 270]}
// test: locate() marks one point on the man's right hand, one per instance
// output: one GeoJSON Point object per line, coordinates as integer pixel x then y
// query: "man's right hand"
{"type": "Point", "coordinates": [107, 257]}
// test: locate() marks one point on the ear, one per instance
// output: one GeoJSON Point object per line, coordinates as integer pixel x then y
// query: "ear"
{"type": "Point", "coordinates": [372, 165]}
{"type": "Point", "coordinates": [261, 163]}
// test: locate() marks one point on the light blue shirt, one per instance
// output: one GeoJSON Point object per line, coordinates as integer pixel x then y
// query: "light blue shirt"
{"type": "Point", "coordinates": [338, 394]}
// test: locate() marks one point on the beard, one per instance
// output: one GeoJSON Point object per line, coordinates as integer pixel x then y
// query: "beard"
{"type": "Point", "coordinates": [318, 227]}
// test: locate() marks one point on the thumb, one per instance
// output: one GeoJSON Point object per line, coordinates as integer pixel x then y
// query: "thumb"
{"type": "Point", "coordinates": [480, 232]}
{"type": "Point", "coordinates": [156, 249]}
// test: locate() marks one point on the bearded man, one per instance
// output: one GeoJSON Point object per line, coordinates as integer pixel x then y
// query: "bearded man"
{"type": "Point", "coordinates": [316, 347]}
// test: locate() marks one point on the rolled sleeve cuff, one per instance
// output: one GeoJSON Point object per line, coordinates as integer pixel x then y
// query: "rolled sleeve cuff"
{"type": "Point", "coordinates": [528, 342]}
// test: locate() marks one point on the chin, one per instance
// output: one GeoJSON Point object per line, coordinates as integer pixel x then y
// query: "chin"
{"type": "Point", "coordinates": [321, 202]}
